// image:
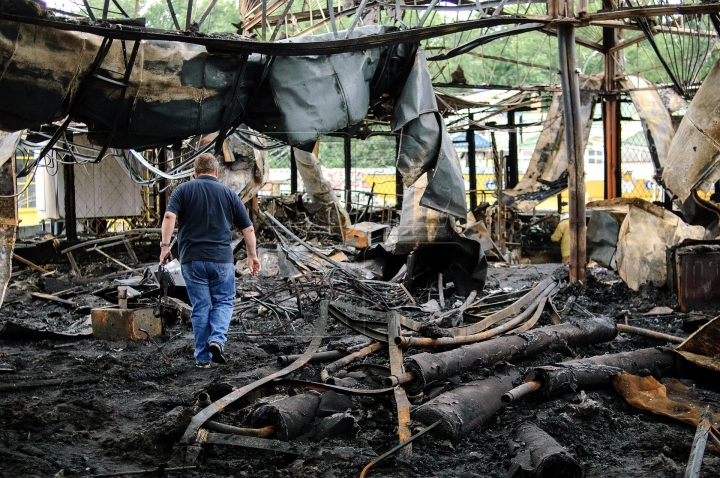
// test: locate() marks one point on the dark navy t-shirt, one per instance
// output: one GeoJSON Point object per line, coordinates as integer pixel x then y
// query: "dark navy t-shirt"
{"type": "Point", "coordinates": [206, 211]}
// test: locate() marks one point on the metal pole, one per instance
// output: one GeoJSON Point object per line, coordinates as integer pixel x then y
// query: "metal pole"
{"type": "Point", "coordinates": [188, 18]}
{"type": "Point", "coordinates": [611, 115]}
{"type": "Point", "coordinates": [472, 171]}
{"type": "Point", "coordinates": [573, 144]}
{"type": "Point", "coordinates": [293, 172]}
{"type": "Point", "coordinates": [70, 217]}
{"type": "Point", "coordinates": [264, 19]}
{"type": "Point", "coordinates": [512, 166]}
{"type": "Point", "coordinates": [106, 6]}
{"type": "Point", "coordinates": [399, 187]}
{"type": "Point", "coordinates": [348, 172]}
{"type": "Point", "coordinates": [162, 199]}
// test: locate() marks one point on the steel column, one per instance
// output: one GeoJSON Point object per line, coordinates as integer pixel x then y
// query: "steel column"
{"type": "Point", "coordinates": [512, 164]}
{"type": "Point", "coordinates": [348, 171]}
{"type": "Point", "coordinates": [611, 114]}
{"type": "Point", "coordinates": [472, 171]}
{"type": "Point", "coordinates": [70, 215]}
{"type": "Point", "coordinates": [399, 187]}
{"type": "Point", "coordinates": [573, 144]}
{"type": "Point", "coordinates": [293, 172]}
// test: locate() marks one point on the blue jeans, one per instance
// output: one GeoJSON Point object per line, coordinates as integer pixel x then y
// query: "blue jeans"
{"type": "Point", "coordinates": [211, 288]}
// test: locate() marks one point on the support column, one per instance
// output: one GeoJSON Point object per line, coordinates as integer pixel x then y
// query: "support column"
{"type": "Point", "coordinates": [70, 214]}
{"type": "Point", "coordinates": [573, 144]}
{"type": "Point", "coordinates": [188, 18]}
{"type": "Point", "coordinates": [399, 187]}
{"type": "Point", "coordinates": [293, 172]}
{"type": "Point", "coordinates": [512, 164]}
{"type": "Point", "coordinates": [611, 120]}
{"type": "Point", "coordinates": [348, 172]}
{"type": "Point", "coordinates": [472, 170]}
{"type": "Point", "coordinates": [162, 198]}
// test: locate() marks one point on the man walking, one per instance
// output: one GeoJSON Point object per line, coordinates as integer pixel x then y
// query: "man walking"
{"type": "Point", "coordinates": [206, 211]}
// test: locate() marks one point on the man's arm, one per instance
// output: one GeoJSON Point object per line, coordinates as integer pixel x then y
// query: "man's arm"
{"type": "Point", "coordinates": [166, 231]}
{"type": "Point", "coordinates": [253, 261]}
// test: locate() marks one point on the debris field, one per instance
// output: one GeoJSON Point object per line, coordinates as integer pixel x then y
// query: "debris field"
{"type": "Point", "coordinates": [82, 406]}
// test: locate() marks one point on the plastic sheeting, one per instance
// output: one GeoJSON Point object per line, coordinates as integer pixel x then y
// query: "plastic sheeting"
{"type": "Point", "coordinates": [177, 90]}
{"type": "Point", "coordinates": [645, 232]}
{"type": "Point", "coordinates": [693, 161]}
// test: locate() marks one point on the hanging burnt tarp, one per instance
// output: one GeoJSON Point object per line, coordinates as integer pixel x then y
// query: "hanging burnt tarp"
{"type": "Point", "coordinates": [654, 117]}
{"type": "Point", "coordinates": [546, 175]}
{"type": "Point", "coordinates": [306, 97]}
{"type": "Point", "coordinates": [425, 146]}
{"type": "Point", "coordinates": [154, 93]}
{"type": "Point", "coordinates": [693, 159]}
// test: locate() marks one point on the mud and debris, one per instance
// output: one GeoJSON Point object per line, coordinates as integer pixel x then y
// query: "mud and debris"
{"type": "Point", "coordinates": [78, 405]}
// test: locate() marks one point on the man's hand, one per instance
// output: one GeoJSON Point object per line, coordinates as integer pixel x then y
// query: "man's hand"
{"type": "Point", "coordinates": [165, 255]}
{"type": "Point", "coordinates": [254, 265]}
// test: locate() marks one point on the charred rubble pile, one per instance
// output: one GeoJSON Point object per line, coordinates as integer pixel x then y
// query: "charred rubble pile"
{"type": "Point", "coordinates": [347, 367]}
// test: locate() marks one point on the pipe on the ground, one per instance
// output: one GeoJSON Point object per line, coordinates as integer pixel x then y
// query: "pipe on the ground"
{"type": "Point", "coordinates": [428, 368]}
{"type": "Point", "coordinates": [597, 372]}
{"type": "Point", "coordinates": [467, 407]}
{"type": "Point", "coordinates": [520, 391]}
{"type": "Point", "coordinates": [347, 360]}
{"type": "Point", "coordinates": [318, 357]}
{"type": "Point", "coordinates": [291, 416]}
{"type": "Point", "coordinates": [536, 454]}
{"type": "Point", "coordinates": [629, 329]}
{"type": "Point", "coordinates": [247, 432]}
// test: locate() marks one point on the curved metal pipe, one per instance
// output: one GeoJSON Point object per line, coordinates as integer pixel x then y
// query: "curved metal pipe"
{"type": "Point", "coordinates": [518, 392]}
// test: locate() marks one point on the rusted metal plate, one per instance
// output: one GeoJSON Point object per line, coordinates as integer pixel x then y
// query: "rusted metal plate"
{"type": "Point", "coordinates": [698, 278]}
{"type": "Point", "coordinates": [112, 323]}
{"type": "Point", "coordinates": [8, 223]}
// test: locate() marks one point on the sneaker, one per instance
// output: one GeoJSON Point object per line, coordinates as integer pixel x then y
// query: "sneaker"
{"type": "Point", "coordinates": [217, 353]}
{"type": "Point", "coordinates": [202, 365]}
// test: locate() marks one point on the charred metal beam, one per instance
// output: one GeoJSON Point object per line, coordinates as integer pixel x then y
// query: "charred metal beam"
{"type": "Point", "coordinates": [429, 368]}
{"type": "Point", "coordinates": [283, 48]}
{"type": "Point", "coordinates": [173, 15]}
{"type": "Point", "coordinates": [396, 448]}
{"type": "Point", "coordinates": [209, 8]}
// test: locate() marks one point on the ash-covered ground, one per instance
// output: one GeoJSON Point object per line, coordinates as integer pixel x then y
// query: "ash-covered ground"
{"type": "Point", "coordinates": [136, 401]}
